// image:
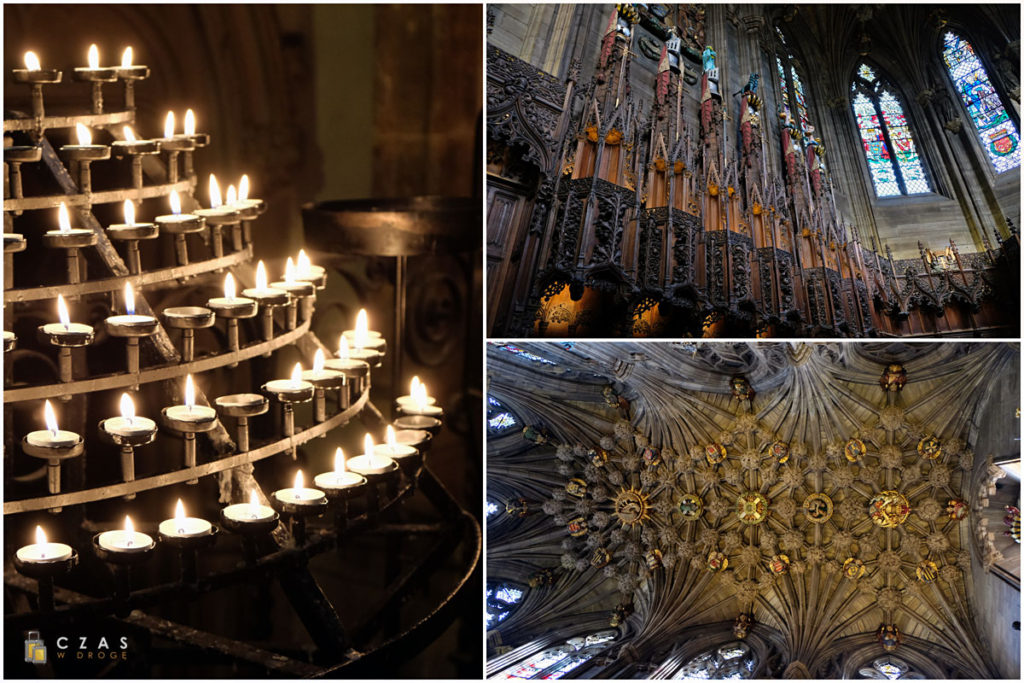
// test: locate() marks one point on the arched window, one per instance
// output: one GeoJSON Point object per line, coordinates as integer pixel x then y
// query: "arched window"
{"type": "Point", "coordinates": [732, 660]}
{"type": "Point", "coordinates": [995, 130]}
{"type": "Point", "coordinates": [888, 145]}
{"type": "Point", "coordinates": [556, 662]}
{"type": "Point", "coordinates": [790, 85]}
{"type": "Point", "coordinates": [501, 599]}
{"type": "Point", "coordinates": [889, 669]}
{"type": "Point", "coordinates": [499, 418]}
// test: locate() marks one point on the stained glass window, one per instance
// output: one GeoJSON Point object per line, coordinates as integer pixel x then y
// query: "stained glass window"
{"type": "Point", "coordinates": [523, 353]}
{"type": "Point", "coordinates": [501, 598]}
{"type": "Point", "coordinates": [492, 508]}
{"type": "Point", "coordinates": [555, 662]}
{"type": "Point", "coordinates": [995, 130]}
{"type": "Point", "coordinates": [733, 660]}
{"type": "Point", "coordinates": [789, 82]}
{"type": "Point", "coordinates": [889, 147]}
{"type": "Point", "coordinates": [889, 669]}
{"type": "Point", "coordinates": [499, 418]}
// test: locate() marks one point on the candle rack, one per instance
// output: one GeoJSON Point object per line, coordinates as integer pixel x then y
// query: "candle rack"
{"type": "Point", "coordinates": [271, 551]}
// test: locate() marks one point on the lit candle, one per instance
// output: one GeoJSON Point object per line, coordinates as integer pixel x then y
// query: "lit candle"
{"type": "Point", "coordinates": [341, 477]}
{"type": "Point", "coordinates": [94, 73]}
{"type": "Point", "coordinates": [42, 551]}
{"type": "Point", "coordinates": [34, 75]}
{"type": "Point", "coordinates": [291, 389]}
{"type": "Point", "coordinates": [132, 146]}
{"type": "Point", "coordinates": [411, 399]}
{"type": "Point", "coordinates": [299, 495]}
{"type": "Point", "coordinates": [130, 324]}
{"type": "Point", "coordinates": [371, 462]}
{"type": "Point", "coordinates": [53, 438]}
{"type": "Point", "coordinates": [189, 127]}
{"type": "Point", "coordinates": [262, 292]}
{"type": "Point", "coordinates": [200, 139]}
{"type": "Point", "coordinates": [175, 143]}
{"type": "Point", "coordinates": [365, 344]}
{"type": "Point", "coordinates": [180, 225]}
{"type": "Point", "coordinates": [355, 371]}
{"type": "Point", "coordinates": [217, 216]}
{"type": "Point", "coordinates": [249, 208]}
{"type": "Point", "coordinates": [189, 412]}
{"type": "Point", "coordinates": [184, 527]}
{"type": "Point", "coordinates": [249, 512]}
{"type": "Point", "coordinates": [392, 449]}
{"type": "Point", "coordinates": [301, 292]}
{"type": "Point", "coordinates": [231, 303]}
{"type": "Point", "coordinates": [66, 237]}
{"type": "Point", "coordinates": [129, 72]}
{"type": "Point", "coordinates": [169, 125]}
{"type": "Point", "coordinates": [65, 332]}
{"type": "Point", "coordinates": [128, 425]}
{"type": "Point", "coordinates": [421, 403]}
{"type": "Point", "coordinates": [126, 540]}
{"type": "Point", "coordinates": [307, 272]}
{"type": "Point", "coordinates": [32, 61]}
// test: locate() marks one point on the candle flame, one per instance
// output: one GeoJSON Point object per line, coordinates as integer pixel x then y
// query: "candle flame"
{"type": "Point", "coordinates": [179, 514]}
{"type": "Point", "coordinates": [368, 446]}
{"type": "Point", "coordinates": [297, 373]}
{"type": "Point", "coordinates": [215, 201]}
{"type": "Point", "coordinates": [362, 329]}
{"type": "Point", "coordinates": [129, 212]}
{"type": "Point", "coordinates": [129, 134]}
{"type": "Point", "coordinates": [413, 385]}
{"type": "Point", "coordinates": [190, 392]}
{"type": "Point", "coordinates": [231, 196]}
{"type": "Point", "coordinates": [62, 312]}
{"type": "Point", "coordinates": [339, 460]}
{"type": "Point", "coordinates": [261, 275]}
{"type": "Point", "coordinates": [64, 218]}
{"type": "Point", "coordinates": [129, 299]}
{"type": "Point", "coordinates": [190, 122]}
{"type": "Point", "coordinates": [243, 188]}
{"type": "Point", "coordinates": [229, 286]}
{"type": "Point", "coordinates": [128, 526]}
{"type": "Point", "coordinates": [84, 135]}
{"type": "Point", "coordinates": [94, 57]}
{"type": "Point", "coordinates": [289, 270]}
{"type": "Point", "coordinates": [390, 436]}
{"type": "Point", "coordinates": [343, 348]}
{"type": "Point", "coordinates": [126, 57]}
{"type": "Point", "coordinates": [40, 535]}
{"type": "Point", "coordinates": [303, 267]}
{"type": "Point", "coordinates": [32, 61]}
{"type": "Point", "coordinates": [128, 408]}
{"type": "Point", "coordinates": [169, 125]}
{"type": "Point", "coordinates": [300, 481]}
{"type": "Point", "coordinates": [50, 417]}
{"type": "Point", "coordinates": [421, 397]}
{"type": "Point", "coordinates": [318, 361]}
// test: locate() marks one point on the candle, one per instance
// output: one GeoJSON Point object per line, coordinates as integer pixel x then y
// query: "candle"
{"type": "Point", "coordinates": [66, 237]}
{"type": "Point", "coordinates": [294, 385]}
{"type": "Point", "coordinates": [421, 404]}
{"type": "Point", "coordinates": [184, 527]}
{"type": "Point", "coordinates": [176, 221]}
{"type": "Point", "coordinates": [263, 293]}
{"type": "Point", "coordinates": [128, 425]}
{"type": "Point", "coordinates": [42, 552]}
{"type": "Point", "coordinates": [320, 376]}
{"type": "Point", "coordinates": [411, 399]}
{"type": "Point", "coordinates": [130, 230]}
{"type": "Point", "coordinates": [393, 449]}
{"type": "Point", "coordinates": [217, 208]}
{"type": "Point", "coordinates": [189, 127]}
{"type": "Point", "coordinates": [230, 305]}
{"type": "Point", "coordinates": [132, 145]}
{"type": "Point", "coordinates": [291, 284]}
{"type": "Point", "coordinates": [126, 540]}
{"type": "Point", "coordinates": [67, 333]}
{"type": "Point", "coordinates": [249, 208]}
{"type": "Point", "coordinates": [300, 495]}
{"type": "Point", "coordinates": [307, 272]}
{"type": "Point", "coordinates": [52, 437]}
{"type": "Point", "coordinates": [94, 72]}
{"type": "Point", "coordinates": [189, 412]}
{"type": "Point", "coordinates": [340, 478]}
{"type": "Point", "coordinates": [130, 324]}
{"type": "Point", "coordinates": [362, 337]}
{"type": "Point", "coordinates": [371, 462]}
{"type": "Point", "coordinates": [249, 512]}
{"type": "Point", "coordinates": [85, 150]}
{"type": "Point", "coordinates": [32, 61]}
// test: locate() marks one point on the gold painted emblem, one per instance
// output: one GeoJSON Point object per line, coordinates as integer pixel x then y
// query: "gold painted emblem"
{"type": "Point", "coordinates": [715, 453]}
{"type": "Point", "coordinates": [888, 509]}
{"type": "Point", "coordinates": [854, 450]}
{"type": "Point", "coordinates": [752, 507]}
{"type": "Point", "coordinates": [929, 448]}
{"type": "Point", "coordinates": [818, 508]}
{"type": "Point", "coordinates": [631, 507]}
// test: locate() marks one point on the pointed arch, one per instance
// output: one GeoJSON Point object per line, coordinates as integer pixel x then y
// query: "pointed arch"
{"type": "Point", "coordinates": [889, 147]}
{"type": "Point", "coordinates": [791, 86]}
{"type": "Point", "coordinates": [995, 129]}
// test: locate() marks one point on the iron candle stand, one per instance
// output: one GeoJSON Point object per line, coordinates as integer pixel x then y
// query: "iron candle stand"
{"type": "Point", "coordinates": [188, 319]}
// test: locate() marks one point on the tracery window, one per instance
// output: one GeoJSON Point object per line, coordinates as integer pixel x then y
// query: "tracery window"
{"type": "Point", "coordinates": [732, 660]}
{"type": "Point", "coordinates": [501, 599]}
{"type": "Point", "coordinates": [499, 418]}
{"type": "Point", "coordinates": [555, 662]}
{"type": "Point", "coordinates": [888, 144]}
{"type": "Point", "coordinates": [889, 669]}
{"type": "Point", "coordinates": [995, 130]}
{"type": "Point", "coordinates": [791, 86]}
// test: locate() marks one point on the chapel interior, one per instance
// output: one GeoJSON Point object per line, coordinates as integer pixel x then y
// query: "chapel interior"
{"type": "Point", "coordinates": [321, 106]}
{"type": "Point", "coordinates": [730, 170]}
{"type": "Point", "coordinates": [709, 510]}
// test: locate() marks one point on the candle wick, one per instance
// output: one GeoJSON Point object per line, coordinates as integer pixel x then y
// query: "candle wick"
{"type": "Point", "coordinates": [129, 543]}
{"type": "Point", "coordinates": [42, 553]}
{"type": "Point", "coordinates": [181, 530]}
{"type": "Point", "coordinates": [54, 432]}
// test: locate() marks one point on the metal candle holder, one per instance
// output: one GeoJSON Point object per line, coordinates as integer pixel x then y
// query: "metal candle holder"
{"type": "Point", "coordinates": [321, 381]}
{"type": "Point", "coordinates": [130, 235]}
{"type": "Point", "coordinates": [70, 241]}
{"type": "Point", "coordinates": [10, 341]}
{"type": "Point", "coordinates": [54, 456]}
{"type": "Point", "coordinates": [300, 292]}
{"type": "Point", "coordinates": [132, 328]}
{"type": "Point", "coordinates": [340, 493]}
{"type": "Point", "coordinates": [388, 478]}
{"type": "Point", "coordinates": [188, 429]}
{"type": "Point", "coordinates": [188, 548]}
{"type": "Point", "coordinates": [288, 396]}
{"type": "Point", "coordinates": [14, 157]}
{"type": "Point", "coordinates": [82, 156]}
{"type": "Point", "coordinates": [44, 573]}
{"type": "Point", "coordinates": [174, 146]}
{"type": "Point", "coordinates": [418, 422]}
{"type": "Point", "coordinates": [13, 243]}
{"type": "Point", "coordinates": [242, 407]}
{"type": "Point", "coordinates": [420, 439]}
{"type": "Point", "coordinates": [97, 77]}
{"type": "Point", "coordinates": [217, 219]}
{"type": "Point", "coordinates": [252, 531]}
{"type": "Point", "coordinates": [356, 373]}
{"type": "Point", "coordinates": [248, 211]}
{"type": "Point", "coordinates": [268, 299]}
{"type": "Point", "coordinates": [232, 310]}
{"type": "Point", "coordinates": [134, 150]}
{"type": "Point", "coordinates": [128, 442]}
{"type": "Point", "coordinates": [65, 339]}
{"type": "Point", "coordinates": [37, 78]}
{"type": "Point", "coordinates": [188, 319]}
{"type": "Point", "coordinates": [180, 225]}
{"type": "Point", "coordinates": [130, 74]}
{"type": "Point", "coordinates": [121, 561]}
{"type": "Point", "coordinates": [198, 140]}
{"type": "Point", "coordinates": [296, 514]}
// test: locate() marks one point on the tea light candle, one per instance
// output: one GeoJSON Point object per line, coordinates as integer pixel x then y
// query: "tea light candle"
{"type": "Point", "coordinates": [184, 527]}
{"type": "Point", "coordinates": [242, 407]}
{"type": "Point", "coordinates": [216, 217]}
{"type": "Point", "coordinates": [392, 449]}
{"type": "Point", "coordinates": [419, 423]}
{"type": "Point", "coordinates": [411, 399]}
{"type": "Point", "coordinates": [130, 233]}
{"type": "Point", "coordinates": [288, 392]}
{"type": "Point", "coordinates": [42, 551]}
{"type": "Point", "coordinates": [188, 319]}
{"type": "Point", "coordinates": [133, 148]}
{"type": "Point", "coordinates": [246, 513]}
{"type": "Point", "coordinates": [367, 344]}
{"type": "Point", "coordinates": [65, 335]}
{"type": "Point", "coordinates": [190, 419]}
{"type": "Point", "coordinates": [248, 209]}
{"type": "Point", "coordinates": [125, 541]}
{"type": "Point", "coordinates": [303, 292]}
{"type": "Point", "coordinates": [97, 75]}
{"type": "Point", "coordinates": [71, 240]}
{"type": "Point", "coordinates": [299, 496]}
{"type": "Point", "coordinates": [356, 373]}
{"type": "Point", "coordinates": [129, 73]}
{"type": "Point", "coordinates": [420, 404]}
{"type": "Point", "coordinates": [52, 445]}
{"type": "Point", "coordinates": [341, 478]}
{"type": "Point", "coordinates": [36, 76]}
{"type": "Point", "coordinates": [128, 432]}
{"type": "Point", "coordinates": [131, 326]}
{"type": "Point", "coordinates": [180, 225]}
{"type": "Point", "coordinates": [232, 308]}
{"type": "Point", "coordinates": [371, 462]}
{"type": "Point", "coordinates": [85, 151]}
{"type": "Point", "coordinates": [268, 298]}
{"type": "Point", "coordinates": [175, 143]}
{"type": "Point", "coordinates": [307, 272]}
{"type": "Point", "coordinates": [322, 379]}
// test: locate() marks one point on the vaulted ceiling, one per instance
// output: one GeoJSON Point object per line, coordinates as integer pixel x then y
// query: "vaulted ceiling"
{"type": "Point", "coordinates": [691, 483]}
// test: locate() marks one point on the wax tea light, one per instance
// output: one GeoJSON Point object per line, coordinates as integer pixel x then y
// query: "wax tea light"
{"type": "Point", "coordinates": [299, 495]}
{"type": "Point", "coordinates": [129, 426]}
{"type": "Point", "coordinates": [392, 449]}
{"type": "Point", "coordinates": [125, 541]}
{"type": "Point", "coordinates": [322, 379]}
{"type": "Point", "coordinates": [70, 240]}
{"type": "Point", "coordinates": [190, 419]}
{"type": "Point", "coordinates": [306, 271]}
{"type": "Point", "coordinates": [42, 551]}
{"type": "Point", "coordinates": [365, 344]}
{"type": "Point", "coordinates": [182, 526]}
{"type": "Point", "coordinates": [175, 143]}
{"type": "Point", "coordinates": [217, 216]}
{"type": "Point", "coordinates": [301, 292]}
{"type": "Point", "coordinates": [412, 398]}
{"type": "Point", "coordinates": [130, 232]}
{"type": "Point", "coordinates": [292, 390]}
{"type": "Point", "coordinates": [94, 72]}
{"type": "Point", "coordinates": [341, 478]}
{"type": "Point", "coordinates": [371, 462]}
{"type": "Point", "coordinates": [130, 323]}
{"type": "Point", "coordinates": [249, 512]}
{"type": "Point", "coordinates": [356, 372]}
{"type": "Point", "coordinates": [421, 404]}
{"type": "Point", "coordinates": [268, 298]}
{"type": "Point", "coordinates": [180, 225]}
{"type": "Point", "coordinates": [34, 73]}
